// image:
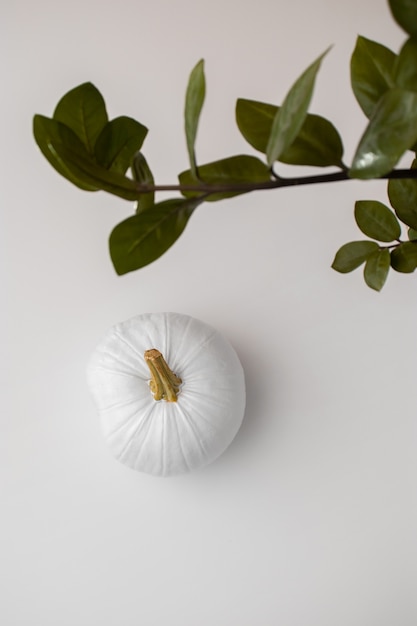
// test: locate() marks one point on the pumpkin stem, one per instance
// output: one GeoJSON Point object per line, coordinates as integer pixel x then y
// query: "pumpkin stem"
{"type": "Point", "coordinates": [164, 383]}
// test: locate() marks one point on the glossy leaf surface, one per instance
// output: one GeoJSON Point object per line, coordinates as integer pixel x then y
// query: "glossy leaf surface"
{"type": "Point", "coordinates": [49, 133]}
{"type": "Point", "coordinates": [412, 234]}
{"type": "Point", "coordinates": [403, 197]}
{"type": "Point", "coordinates": [376, 220]}
{"type": "Point", "coordinates": [318, 143]}
{"type": "Point", "coordinates": [194, 100]}
{"type": "Point", "coordinates": [404, 258]}
{"type": "Point", "coordinates": [91, 173]}
{"type": "Point", "coordinates": [144, 237]}
{"type": "Point", "coordinates": [406, 66]}
{"type": "Point", "coordinates": [291, 115]}
{"type": "Point", "coordinates": [405, 13]}
{"type": "Point", "coordinates": [352, 255]}
{"type": "Point", "coordinates": [240, 169]}
{"type": "Point", "coordinates": [371, 73]}
{"type": "Point", "coordinates": [84, 111]}
{"type": "Point", "coordinates": [391, 131]}
{"type": "Point", "coordinates": [376, 269]}
{"type": "Point", "coordinates": [118, 141]}
{"type": "Point", "coordinates": [67, 154]}
{"type": "Point", "coordinates": [143, 175]}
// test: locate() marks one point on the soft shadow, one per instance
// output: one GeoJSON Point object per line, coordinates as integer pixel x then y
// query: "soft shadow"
{"type": "Point", "coordinates": [265, 399]}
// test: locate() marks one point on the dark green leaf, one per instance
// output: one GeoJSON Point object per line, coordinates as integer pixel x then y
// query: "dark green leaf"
{"type": "Point", "coordinates": [143, 175]}
{"type": "Point", "coordinates": [391, 131]}
{"type": "Point", "coordinates": [48, 133]}
{"type": "Point", "coordinates": [237, 170]}
{"type": "Point", "coordinates": [376, 220]}
{"type": "Point", "coordinates": [403, 197]}
{"type": "Point", "coordinates": [371, 73]}
{"type": "Point", "coordinates": [194, 100]}
{"type": "Point", "coordinates": [352, 255]}
{"type": "Point", "coordinates": [405, 14]}
{"type": "Point", "coordinates": [404, 258]}
{"type": "Point", "coordinates": [291, 115]}
{"type": "Point", "coordinates": [406, 66]}
{"type": "Point", "coordinates": [118, 141]}
{"type": "Point", "coordinates": [83, 110]}
{"type": "Point", "coordinates": [318, 142]}
{"type": "Point", "coordinates": [144, 237]}
{"type": "Point", "coordinates": [88, 171]}
{"type": "Point", "coordinates": [412, 234]}
{"type": "Point", "coordinates": [68, 156]}
{"type": "Point", "coordinates": [376, 269]}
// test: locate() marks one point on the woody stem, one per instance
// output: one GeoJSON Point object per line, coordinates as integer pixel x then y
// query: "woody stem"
{"type": "Point", "coordinates": [164, 383]}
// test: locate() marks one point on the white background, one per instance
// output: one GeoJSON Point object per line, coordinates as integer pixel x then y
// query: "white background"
{"type": "Point", "coordinates": [309, 519]}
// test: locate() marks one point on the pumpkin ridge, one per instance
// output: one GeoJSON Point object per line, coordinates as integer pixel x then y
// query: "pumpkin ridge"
{"type": "Point", "coordinates": [151, 337]}
{"type": "Point", "coordinates": [185, 330]}
{"type": "Point", "coordinates": [126, 420]}
{"type": "Point", "coordinates": [194, 431]}
{"type": "Point", "coordinates": [119, 429]}
{"type": "Point", "coordinates": [164, 429]}
{"type": "Point", "coordinates": [190, 356]}
{"type": "Point", "coordinates": [146, 421]}
{"type": "Point", "coordinates": [119, 405]}
{"type": "Point", "coordinates": [199, 395]}
{"type": "Point", "coordinates": [114, 372]}
{"type": "Point", "coordinates": [184, 458]}
{"type": "Point", "coordinates": [116, 359]}
{"type": "Point", "coordinates": [201, 418]}
{"type": "Point", "coordinates": [167, 340]}
{"type": "Point", "coordinates": [123, 340]}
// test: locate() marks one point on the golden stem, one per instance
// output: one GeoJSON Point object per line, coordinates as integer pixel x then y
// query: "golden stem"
{"type": "Point", "coordinates": [164, 384]}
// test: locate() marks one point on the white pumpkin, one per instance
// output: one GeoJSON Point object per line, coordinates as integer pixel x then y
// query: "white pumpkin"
{"type": "Point", "coordinates": [170, 392]}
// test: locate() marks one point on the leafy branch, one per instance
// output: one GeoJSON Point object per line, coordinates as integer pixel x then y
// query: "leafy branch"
{"type": "Point", "coordinates": [95, 153]}
{"type": "Point", "coordinates": [277, 182]}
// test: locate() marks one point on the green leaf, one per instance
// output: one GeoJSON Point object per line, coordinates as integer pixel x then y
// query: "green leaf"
{"type": "Point", "coordinates": [405, 73]}
{"type": "Point", "coordinates": [143, 175]}
{"type": "Point", "coordinates": [48, 133]}
{"type": "Point", "coordinates": [194, 100]}
{"type": "Point", "coordinates": [391, 131]}
{"type": "Point", "coordinates": [83, 110]}
{"type": "Point", "coordinates": [404, 258]}
{"type": "Point", "coordinates": [412, 234]}
{"type": "Point", "coordinates": [318, 142]}
{"type": "Point", "coordinates": [291, 115]}
{"type": "Point", "coordinates": [237, 170]}
{"type": "Point", "coordinates": [144, 237]}
{"type": "Point", "coordinates": [376, 269]}
{"type": "Point", "coordinates": [118, 141]}
{"type": "Point", "coordinates": [352, 255]}
{"type": "Point", "coordinates": [68, 156]}
{"type": "Point", "coordinates": [376, 220]}
{"type": "Point", "coordinates": [405, 14]}
{"type": "Point", "coordinates": [88, 171]}
{"type": "Point", "coordinates": [371, 73]}
{"type": "Point", "coordinates": [403, 197]}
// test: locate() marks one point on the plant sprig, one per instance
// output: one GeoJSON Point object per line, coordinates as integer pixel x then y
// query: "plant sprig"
{"type": "Point", "coordinates": [95, 153]}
